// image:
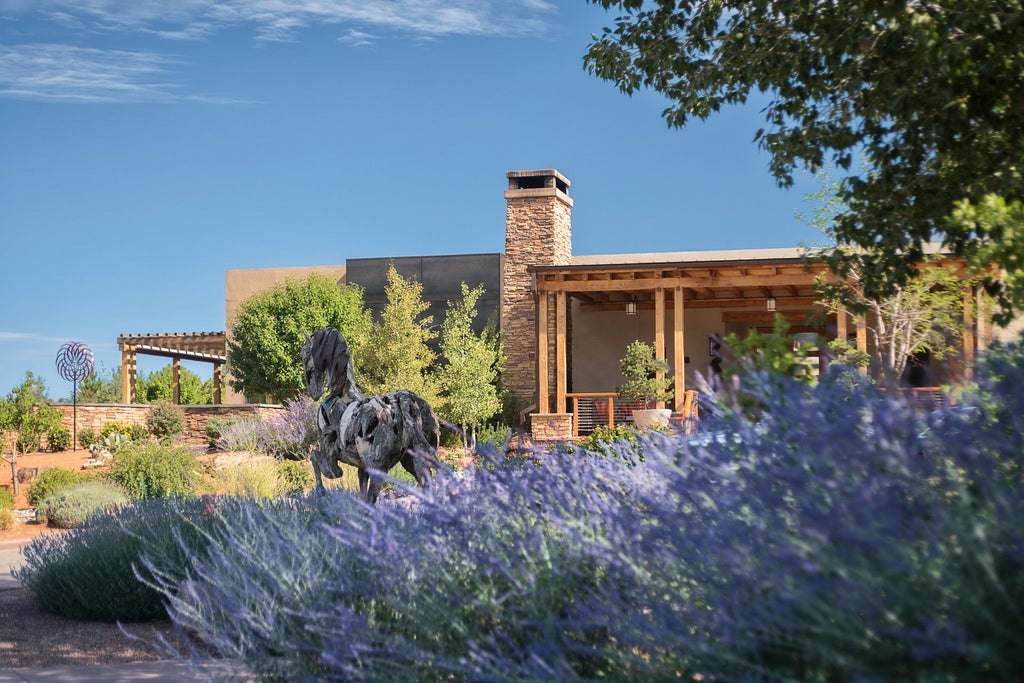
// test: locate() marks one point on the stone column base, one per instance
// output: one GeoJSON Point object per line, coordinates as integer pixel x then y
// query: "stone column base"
{"type": "Point", "coordinates": [551, 426]}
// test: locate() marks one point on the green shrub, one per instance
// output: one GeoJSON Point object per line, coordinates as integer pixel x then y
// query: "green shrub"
{"type": "Point", "coordinates": [89, 571]}
{"type": "Point", "coordinates": [71, 506]}
{"type": "Point", "coordinates": [155, 471]}
{"type": "Point", "coordinates": [493, 437]}
{"type": "Point", "coordinates": [602, 439]}
{"type": "Point", "coordinates": [49, 481]}
{"type": "Point", "coordinates": [87, 438]}
{"type": "Point", "coordinates": [215, 427]}
{"type": "Point", "coordinates": [59, 439]}
{"type": "Point", "coordinates": [138, 433]}
{"type": "Point", "coordinates": [6, 499]}
{"type": "Point", "coordinates": [165, 421]}
{"type": "Point", "coordinates": [257, 478]}
{"type": "Point", "coordinates": [295, 477]}
{"type": "Point", "coordinates": [6, 519]}
{"type": "Point", "coordinates": [115, 428]}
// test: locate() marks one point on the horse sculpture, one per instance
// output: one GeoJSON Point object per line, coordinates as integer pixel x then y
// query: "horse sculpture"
{"type": "Point", "coordinates": [367, 432]}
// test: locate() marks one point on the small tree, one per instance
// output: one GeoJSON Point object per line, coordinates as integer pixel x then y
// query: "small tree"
{"type": "Point", "coordinates": [158, 387]}
{"type": "Point", "coordinates": [926, 313]}
{"type": "Point", "coordinates": [27, 412]}
{"type": "Point", "coordinates": [776, 353]}
{"type": "Point", "coordinates": [641, 367]}
{"type": "Point", "coordinates": [469, 394]}
{"type": "Point", "coordinates": [99, 389]}
{"type": "Point", "coordinates": [397, 354]}
{"type": "Point", "coordinates": [264, 350]}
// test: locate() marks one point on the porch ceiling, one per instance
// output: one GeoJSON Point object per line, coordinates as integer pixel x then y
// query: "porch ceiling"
{"type": "Point", "coordinates": [709, 285]}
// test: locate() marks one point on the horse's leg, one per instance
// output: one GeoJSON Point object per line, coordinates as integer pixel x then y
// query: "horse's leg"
{"type": "Point", "coordinates": [314, 458]}
{"type": "Point", "coordinates": [409, 463]}
{"type": "Point", "coordinates": [374, 492]}
{"type": "Point", "coordinates": [364, 482]}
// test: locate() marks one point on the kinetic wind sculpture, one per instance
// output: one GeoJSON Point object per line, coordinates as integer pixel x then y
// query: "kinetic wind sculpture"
{"type": "Point", "coordinates": [367, 432]}
{"type": "Point", "coordinates": [74, 363]}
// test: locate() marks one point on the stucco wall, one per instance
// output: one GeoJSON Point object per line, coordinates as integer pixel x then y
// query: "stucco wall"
{"type": "Point", "coordinates": [239, 285]}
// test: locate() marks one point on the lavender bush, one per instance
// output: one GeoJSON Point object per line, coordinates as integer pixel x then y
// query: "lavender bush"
{"type": "Point", "coordinates": [840, 538]}
{"type": "Point", "coordinates": [287, 435]}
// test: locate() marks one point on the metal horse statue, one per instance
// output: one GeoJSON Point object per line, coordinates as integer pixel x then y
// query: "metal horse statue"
{"type": "Point", "coordinates": [367, 432]}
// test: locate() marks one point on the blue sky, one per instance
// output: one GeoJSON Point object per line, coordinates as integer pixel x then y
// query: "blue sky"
{"type": "Point", "coordinates": [147, 146]}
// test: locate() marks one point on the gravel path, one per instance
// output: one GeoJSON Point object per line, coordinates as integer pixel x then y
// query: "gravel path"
{"type": "Point", "coordinates": [32, 638]}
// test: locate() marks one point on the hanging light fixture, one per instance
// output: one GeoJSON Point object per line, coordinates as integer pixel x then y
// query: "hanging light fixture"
{"type": "Point", "coordinates": [771, 303]}
{"type": "Point", "coordinates": [631, 306]}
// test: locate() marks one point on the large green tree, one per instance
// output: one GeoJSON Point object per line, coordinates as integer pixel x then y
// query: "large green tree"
{"type": "Point", "coordinates": [270, 327]}
{"type": "Point", "coordinates": [469, 375]}
{"type": "Point", "coordinates": [930, 93]}
{"type": "Point", "coordinates": [398, 354]}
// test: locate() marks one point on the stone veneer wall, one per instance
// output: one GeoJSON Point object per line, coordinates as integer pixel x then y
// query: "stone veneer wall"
{"type": "Point", "coordinates": [94, 415]}
{"type": "Point", "coordinates": [538, 231]}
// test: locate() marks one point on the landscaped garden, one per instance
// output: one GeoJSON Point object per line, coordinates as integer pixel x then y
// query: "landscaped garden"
{"type": "Point", "coordinates": [818, 532]}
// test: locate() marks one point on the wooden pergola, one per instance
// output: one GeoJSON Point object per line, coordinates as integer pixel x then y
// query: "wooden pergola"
{"type": "Point", "coordinates": [765, 287]}
{"type": "Point", "coordinates": [206, 347]}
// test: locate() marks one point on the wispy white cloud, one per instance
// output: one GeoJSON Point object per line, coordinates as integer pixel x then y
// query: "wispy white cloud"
{"type": "Point", "coordinates": [281, 19]}
{"type": "Point", "coordinates": [357, 38]}
{"type": "Point", "coordinates": [66, 73]}
{"type": "Point", "coordinates": [75, 74]}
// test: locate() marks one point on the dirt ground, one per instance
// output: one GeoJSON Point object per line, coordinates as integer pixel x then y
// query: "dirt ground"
{"type": "Point", "coordinates": [72, 460]}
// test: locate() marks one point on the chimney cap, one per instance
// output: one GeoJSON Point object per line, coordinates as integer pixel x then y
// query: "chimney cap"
{"type": "Point", "coordinates": [538, 173]}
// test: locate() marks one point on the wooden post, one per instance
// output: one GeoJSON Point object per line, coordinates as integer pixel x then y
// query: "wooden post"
{"type": "Point", "coordinates": [560, 351]}
{"type": "Point", "coordinates": [127, 374]}
{"type": "Point", "coordinates": [968, 359]}
{"type": "Point", "coordinates": [862, 339]}
{"type": "Point", "coordinates": [659, 330]}
{"type": "Point", "coordinates": [176, 380]}
{"type": "Point", "coordinates": [216, 383]}
{"type": "Point", "coordinates": [678, 348]}
{"type": "Point", "coordinates": [543, 399]}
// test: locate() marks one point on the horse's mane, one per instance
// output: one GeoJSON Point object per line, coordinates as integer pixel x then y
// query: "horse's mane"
{"type": "Point", "coordinates": [331, 356]}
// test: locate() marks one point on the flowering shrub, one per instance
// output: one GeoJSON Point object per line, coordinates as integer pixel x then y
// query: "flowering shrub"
{"type": "Point", "coordinates": [288, 435]}
{"type": "Point", "coordinates": [840, 538]}
{"type": "Point", "coordinates": [292, 433]}
{"type": "Point", "coordinates": [95, 571]}
{"type": "Point", "coordinates": [165, 421]}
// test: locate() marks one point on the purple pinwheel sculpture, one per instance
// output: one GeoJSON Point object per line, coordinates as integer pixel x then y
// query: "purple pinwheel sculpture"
{"type": "Point", "coordinates": [74, 363]}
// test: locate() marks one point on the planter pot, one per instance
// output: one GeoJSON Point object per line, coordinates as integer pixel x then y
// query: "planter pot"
{"type": "Point", "coordinates": [645, 419]}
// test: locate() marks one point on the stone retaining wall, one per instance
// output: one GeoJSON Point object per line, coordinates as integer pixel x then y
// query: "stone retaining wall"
{"type": "Point", "coordinates": [94, 415]}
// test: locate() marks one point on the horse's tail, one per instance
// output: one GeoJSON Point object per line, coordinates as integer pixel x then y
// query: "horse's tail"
{"type": "Point", "coordinates": [426, 431]}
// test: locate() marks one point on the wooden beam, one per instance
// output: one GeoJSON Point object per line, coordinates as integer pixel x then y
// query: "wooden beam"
{"type": "Point", "coordinates": [693, 302]}
{"type": "Point", "coordinates": [747, 281]}
{"type": "Point", "coordinates": [543, 399]}
{"type": "Point", "coordinates": [560, 352]}
{"type": "Point", "coordinates": [842, 324]}
{"type": "Point", "coordinates": [678, 348]}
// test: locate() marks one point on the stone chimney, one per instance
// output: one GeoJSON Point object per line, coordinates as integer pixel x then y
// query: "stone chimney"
{"type": "Point", "coordinates": [538, 232]}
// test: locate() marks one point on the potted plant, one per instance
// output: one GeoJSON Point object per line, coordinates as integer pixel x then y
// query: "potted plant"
{"type": "Point", "coordinates": [641, 369]}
